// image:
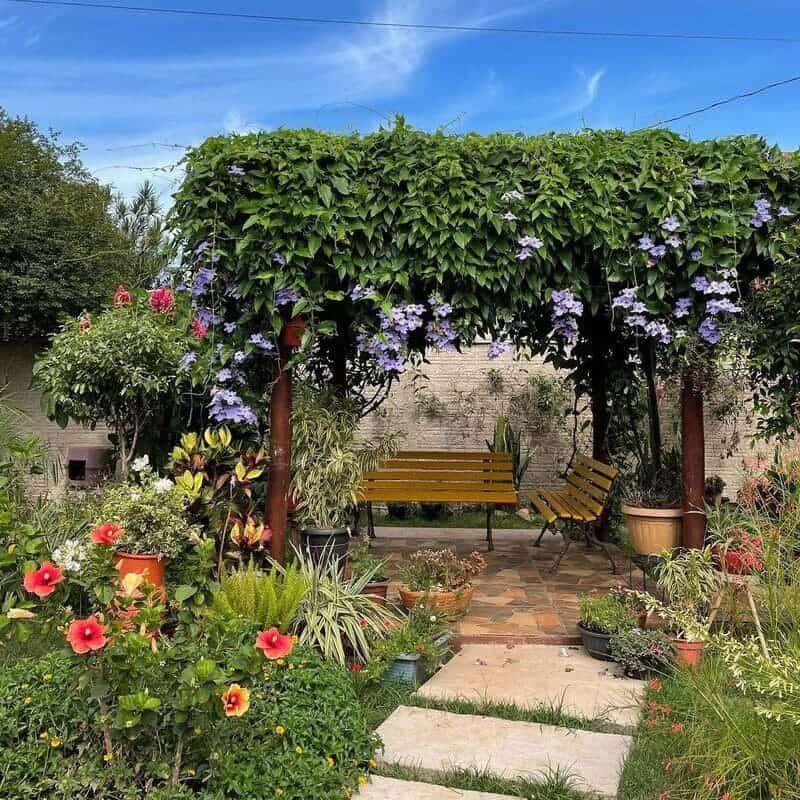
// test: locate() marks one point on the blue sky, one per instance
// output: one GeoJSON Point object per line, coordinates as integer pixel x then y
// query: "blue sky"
{"type": "Point", "coordinates": [120, 82]}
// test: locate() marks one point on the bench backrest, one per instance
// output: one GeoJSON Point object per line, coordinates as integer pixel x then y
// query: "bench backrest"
{"type": "Point", "coordinates": [442, 477]}
{"type": "Point", "coordinates": [590, 481]}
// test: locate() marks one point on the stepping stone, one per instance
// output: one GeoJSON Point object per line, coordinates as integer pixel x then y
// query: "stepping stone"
{"type": "Point", "coordinates": [534, 675]}
{"type": "Point", "coordinates": [438, 740]}
{"type": "Point", "coordinates": [392, 789]}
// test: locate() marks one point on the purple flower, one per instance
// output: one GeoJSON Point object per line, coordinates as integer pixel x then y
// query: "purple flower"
{"type": "Point", "coordinates": [188, 359]}
{"type": "Point", "coordinates": [762, 215]}
{"type": "Point", "coordinates": [696, 255]}
{"type": "Point", "coordinates": [784, 212]}
{"type": "Point", "coordinates": [524, 254]}
{"type": "Point", "coordinates": [239, 357]}
{"type": "Point", "coordinates": [646, 243]}
{"type": "Point", "coordinates": [497, 349]}
{"type": "Point", "coordinates": [566, 328]}
{"type": "Point", "coordinates": [202, 247]}
{"type": "Point", "coordinates": [442, 334]}
{"type": "Point", "coordinates": [700, 283]}
{"type": "Point", "coordinates": [227, 406]}
{"type": "Point", "coordinates": [238, 171]}
{"type": "Point", "coordinates": [674, 241]}
{"type": "Point", "coordinates": [284, 297]}
{"type": "Point", "coordinates": [224, 375]}
{"type": "Point", "coordinates": [566, 304]}
{"type": "Point", "coordinates": [720, 307]}
{"type": "Point", "coordinates": [698, 182]}
{"type": "Point", "coordinates": [638, 307]}
{"type": "Point", "coordinates": [636, 320]}
{"type": "Point", "coordinates": [279, 260]}
{"type": "Point", "coordinates": [439, 308]}
{"type": "Point", "coordinates": [229, 327]}
{"type": "Point", "coordinates": [512, 195]}
{"type": "Point", "coordinates": [719, 287]}
{"type": "Point", "coordinates": [261, 343]}
{"type": "Point", "coordinates": [510, 216]}
{"type": "Point", "coordinates": [206, 317]}
{"type": "Point", "coordinates": [625, 299]}
{"type": "Point", "coordinates": [671, 224]}
{"type": "Point", "coordinates": [531, 242]}
{"type": "Point", "coordinates": [657, 251]}
{"type": "Point", "coordinates": [682, 306]}
{"type": "Point", "coordinates": [362, 292]}
{"type": "Point", "coordinates": [709, 331]}
{"type": "Point", "coordinates": [658, 330]}
{"type": "Point", "coordinates": [728, 273]}
{"type": "Point", "coordinates": [203, 280]}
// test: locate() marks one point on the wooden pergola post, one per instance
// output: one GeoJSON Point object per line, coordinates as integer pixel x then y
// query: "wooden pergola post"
{"type": "Point", "coordinates": [693, 461]}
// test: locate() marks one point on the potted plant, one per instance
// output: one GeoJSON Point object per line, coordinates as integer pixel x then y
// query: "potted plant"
{"type": "Point", "coordinates": [632, 600]}
{"type": "Point", "coordinates": [689, 582]}
{"type": "Point", "coordinates": [328, 465]}
{"type": "Point", "coordinates": [600, 618]}
{"type": "Point", "coordinates": [713, 489]}
{"type": "Point", "coordinates": [652, 506]}
{"type": "Point", "coordinates": [440, 580]}
{"type": "Point", "coordinates": [641, 653]}
{"type": "Point", "coordinates": [363, 562]}
{"type": "Point", "coordinates": [145, 521]}
{"type": "Point", "coordinates": [737, 550]}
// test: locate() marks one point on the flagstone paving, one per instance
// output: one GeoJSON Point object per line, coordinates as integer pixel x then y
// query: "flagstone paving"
{"type": "Point", "coordinates": [438, 740]}
{"type": "Point", "coordinates": [390, 789]}
{"type": "Point", "coordinates": [534, 675]}
{"type": "Point", "coordinates": [516, 598]}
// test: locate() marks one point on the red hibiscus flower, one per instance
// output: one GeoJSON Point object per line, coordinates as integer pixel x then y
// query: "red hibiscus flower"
{"type": "Point", "coordinates": [162, 300]}
{"type": "Point", "coordinates": [199, 329]}
{"type": "Point", "coordinates": [86, 634]}
{"type": "Point", "coordinates": [43, 581]}
{"type": "Point", "coordinates": [274, 644]}
{"type": "Point", "coordinates": [356, 667]}
{"type": "Point", "coordinates": [235, 701]}
{"type": "Point", "coordinates": [122, 297]}
{"type": "Point", "coordinates": [107, 533]}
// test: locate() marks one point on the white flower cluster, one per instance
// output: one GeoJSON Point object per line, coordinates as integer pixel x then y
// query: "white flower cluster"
{"type": "Point", "coordinates": [70, 554]}
{"type": "Point", "coordinates": [163, 485]}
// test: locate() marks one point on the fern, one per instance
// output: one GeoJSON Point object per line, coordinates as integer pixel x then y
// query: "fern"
{"type": "Point", "coordinates": [268, 599]}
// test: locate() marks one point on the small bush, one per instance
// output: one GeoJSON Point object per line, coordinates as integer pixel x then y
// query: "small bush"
{"type": "Point", "coordinates": [604, 614]}
{"type": "Point", "coordinates": [641, 653]}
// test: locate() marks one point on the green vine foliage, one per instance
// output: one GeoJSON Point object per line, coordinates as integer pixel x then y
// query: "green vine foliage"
{"type": "Point", "coordinates": [413, 214]}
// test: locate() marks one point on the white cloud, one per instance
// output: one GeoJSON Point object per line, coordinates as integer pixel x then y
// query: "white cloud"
{"type": "Point", "coordinates": [7, 22]}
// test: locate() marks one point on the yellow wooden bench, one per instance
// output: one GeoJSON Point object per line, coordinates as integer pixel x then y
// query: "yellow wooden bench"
{"type": "Point", "coordinates": [579, 503]}
{"type": "Point", "coordinates": [420, 476]}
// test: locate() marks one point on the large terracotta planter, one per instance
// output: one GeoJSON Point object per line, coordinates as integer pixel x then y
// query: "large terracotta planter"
{"type": "Point", "coordinates": [653, 530]}
{"type": "Point", "coordinates": [688, 654]}
{"type": "Point", "coordinates": [451, 603]}
{"type": "Point", "coordinates": [377, 591]}
{"type": "Point", "coordinates": [150, 566]}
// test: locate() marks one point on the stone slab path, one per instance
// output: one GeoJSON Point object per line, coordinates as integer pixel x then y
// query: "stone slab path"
{"type": "Point", "coordinates": [534, 675]}
{"type": "Point", "coordinates": [392, 789]}
{"type": "Point", "coordinates": [438, 741]}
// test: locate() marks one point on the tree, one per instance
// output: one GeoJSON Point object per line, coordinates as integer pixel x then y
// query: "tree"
{"type": "Point", "coordinates": [60, 251]}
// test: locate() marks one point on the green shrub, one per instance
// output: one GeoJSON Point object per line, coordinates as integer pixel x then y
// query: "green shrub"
{"type": "Point", "coordinates": [268, 599]}
{"type": "Point", "coordinates": [603, 614]}
{"type": "Point", "coordinates": [641, 653]}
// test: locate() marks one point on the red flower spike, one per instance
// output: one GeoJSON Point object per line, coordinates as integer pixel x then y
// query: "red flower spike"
{"type": "Point", "coordinates": [87, 634]}
{"type": "Point", "coordinates": [274, 644]}
{"type": "Point", "coordinates": [106, 534]}
{"type": "Point", "coordinates": [162, 300]}
{"type": "Point", "coordinates": [122, 297]}
{"type": "Point", "coordinates": [199, 329]}
{"type": "Point", "coordinates": [356, 667]}
{"type": "Point", "coordinates": [43, 581]}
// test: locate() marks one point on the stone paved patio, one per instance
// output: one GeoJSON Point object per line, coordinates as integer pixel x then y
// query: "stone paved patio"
{"type": "Point", "coordinates": [516, 598]}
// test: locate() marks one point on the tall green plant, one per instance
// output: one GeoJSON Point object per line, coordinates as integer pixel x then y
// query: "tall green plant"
{"type": "Point", "coordinates": [507, 439]}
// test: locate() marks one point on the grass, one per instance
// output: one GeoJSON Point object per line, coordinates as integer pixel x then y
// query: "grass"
{"type": "Point", "coordinates": [462, 519]}
{"type": "Point", "coordinates": [551, 785]}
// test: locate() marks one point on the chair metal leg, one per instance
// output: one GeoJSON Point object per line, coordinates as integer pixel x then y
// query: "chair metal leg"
{"type": "Point", "coordinates": [370, 522]}
{"type": "Point", "coordinates": [567, 541]}
{"type": "Point", "coordinates": [489, 521]}
{"type": "Point", "coordinates": [538, 541]}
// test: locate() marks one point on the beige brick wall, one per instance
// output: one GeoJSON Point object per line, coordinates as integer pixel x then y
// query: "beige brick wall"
{"type": "Point", "coordinates": [16, 372]}
{"type": "Point", "coordinates": [463, 412]}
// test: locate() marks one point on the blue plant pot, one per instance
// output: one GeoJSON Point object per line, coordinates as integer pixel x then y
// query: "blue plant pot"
{"type": "Point", "coordinates": [407, 669]}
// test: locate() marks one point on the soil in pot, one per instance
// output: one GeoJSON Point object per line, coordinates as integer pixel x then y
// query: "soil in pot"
{"type": "Point", "coordinates": [688, 654]}
{"type": "Point", "coordinates": [150, 566]}
{"type": "Point", "coordinates": [598, 645]}
{"type": "Point", "coordinates": [653, 530]}
{"type": "Point", "coordinates": [323, 544]}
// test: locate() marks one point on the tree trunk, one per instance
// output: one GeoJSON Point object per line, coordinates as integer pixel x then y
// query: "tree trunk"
{"type": "Point", "coordinates": [339, 359]}
{"type": "Point", "coordinates": [280, 445]}
{"type": "Point", "coordinates": [599, 396]}
{"type": "Point", "coordinates": [693, 452]}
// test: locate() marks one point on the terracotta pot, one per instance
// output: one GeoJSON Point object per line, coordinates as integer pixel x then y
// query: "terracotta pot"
{"type": "Point", "coordinates": [451, 603]}
{"type": "Point", "coordinates": [641, 619]}
{"type": "Point", "coordinates": [653, 530]}
{"type": "Point", "coordinates": [150, 565]}
{"type": "Point", "coordinates": [688, 654]}
{"type": "Point", "coordinates": [293, 331]}
{"type": "Point", "coordinates": [732, 561]}
{"type": "Point", "coordinates": [377, 591]}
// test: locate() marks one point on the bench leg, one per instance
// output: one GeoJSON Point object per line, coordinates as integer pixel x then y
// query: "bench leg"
{"type": "Point", "coordinates": [538, 541]}
{"type": "Point", "coordinates": [567, 540]}
{"type": "Point", "coordinates": [370, 522]}
{"type": "Point", "coordinates": [489, 521]}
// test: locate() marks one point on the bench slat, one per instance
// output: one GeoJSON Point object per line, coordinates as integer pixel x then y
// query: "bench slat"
{"type": "Point", "coordinates": [438, 466]}
{"type": "Point", "coordinates": [562, 509]}
{"type": "Point", "coordinates": [593, 477]}
{"type": "Point", "coordinates": [443, 486]}
{"type": "Point", "coordinates": [439, 477]}
{"type": "Point", "coordinates": [586, 513]}
{"type": "Point", "coordinates": [431, 495]}
{"type": "Point", "coordinates": [598, 466]}
{"type": "Point", "coordinates": [595, 492]}
{"type": "Point", "coordinates": [541, 505]}
{"type": "Point", "coordinates": [585, 500]}
{"type": "Point", "coordinates": [448, 455]}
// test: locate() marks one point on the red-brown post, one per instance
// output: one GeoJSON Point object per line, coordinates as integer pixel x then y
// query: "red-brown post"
{"type": "Point", "coordinates": [280, 448]}
{"type": "Point", "coordinates": [693, 454]}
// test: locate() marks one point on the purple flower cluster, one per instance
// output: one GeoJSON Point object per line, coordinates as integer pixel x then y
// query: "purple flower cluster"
{"type": "Point", "coordinates": [698, 182]}
{"type": "Point", "coordinates": [658, 330]}
{"type": "Point", "coordinates": [227, 406]}
{"type": "Point", "coordinates": [202, 282]}
{"type": "Point", "coordinates": [497, 349]}
{"type": "Point", "coordinates": [279, 260]}
{"type": "Point", "coordinates": [206, 317]}
{"type": "Point", "coordinates": [625, 299]}
{"type": "Point", "coordinates": [362, 292]}
{"type": "Point", "coordinates": [261, 343]}
{"type": "Point", "coordinates": [284, 297]}
{"type": "Point", "coordinates": [709, 331]}
{"type": "Point", "coordinates": [509, 216]}
{"type": "Point", "coordinates": [528, 244]}
{"type": "Point", "coordinates": [696, 255]}
{"type": "Point", "coordinates": [717, 308]}
{"type": "Point", "coordinates": [784, 212]}
{"type": "Point", "coordinates": [440, 331]}
{"type": "Point", "coordinates": [761, 215]}
{"type": "Point", "coordinates": [566, 311]}
{"type": "Point", "coordinates": [671, 224]}
{"type": "Point", "coordinates": [656, 251]}
{"type": "Point", "coordinates": [229, 327]}
{"type": "Point", "coordinates": [188, 359]}
{"type": "Point", "coordinates": [682, 306]}
{"type": "Point", "coordinates": [511, 195]}
{"type": "Point", "coordinates": [236, 170]}
{"type": "Point", "coordinates": [389, 347]}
